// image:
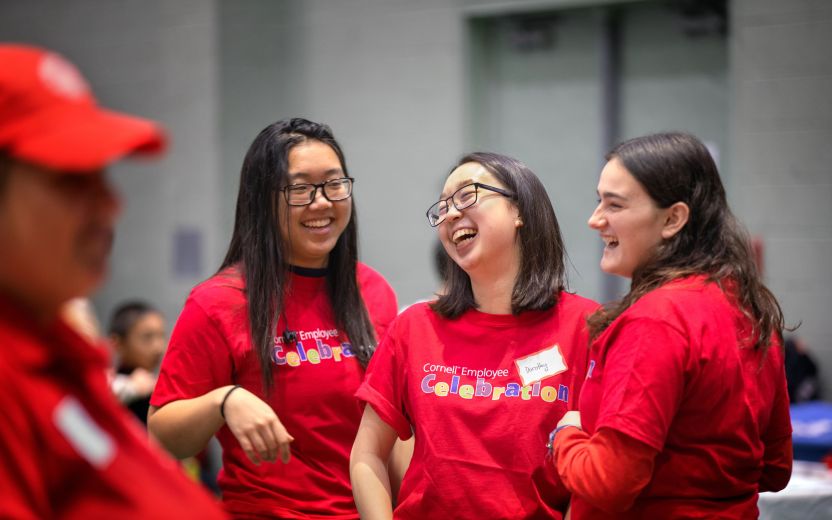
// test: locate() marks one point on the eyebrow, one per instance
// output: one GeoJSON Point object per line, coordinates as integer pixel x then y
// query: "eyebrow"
{"type": "Point", "coordinates": [303, 176]}
{"type": "Point", "coordinates": [611, 195]}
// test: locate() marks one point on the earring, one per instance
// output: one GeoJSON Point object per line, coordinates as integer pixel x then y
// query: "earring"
{"type": "Point", "coordinates": [518, 223]}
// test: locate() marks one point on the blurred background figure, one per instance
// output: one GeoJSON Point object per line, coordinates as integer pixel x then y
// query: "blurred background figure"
{"type": "Point", "coordinates": [137, 334]}
{"type": "Point", "coordinates": [802, 372]}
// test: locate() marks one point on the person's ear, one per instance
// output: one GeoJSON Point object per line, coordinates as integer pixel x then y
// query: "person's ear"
{"type": "Point", "coordinates": [117, 343]}
{"type": "Point", "coordinates": [676, 216]}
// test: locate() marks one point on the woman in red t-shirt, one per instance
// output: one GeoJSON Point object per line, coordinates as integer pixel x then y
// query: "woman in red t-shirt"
{"type": "Point", "coordinates": [684, 412]}
{"type": "Point", "coordinates": [482, 373]}
{"type": "Point", "coordinates": [268, 353]}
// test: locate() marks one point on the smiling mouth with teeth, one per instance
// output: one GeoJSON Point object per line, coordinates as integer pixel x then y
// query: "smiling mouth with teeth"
{"type": "Point", "coordinates": [462, 235]}
{"type": "Point", "coordinates": [319, 223]}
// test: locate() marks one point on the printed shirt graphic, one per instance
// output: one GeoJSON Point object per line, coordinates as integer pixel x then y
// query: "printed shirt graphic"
{"type": "Point", "coordinates": [316, 377]}
{"type": "Point", "coordinates": [671, 373]}
{"type": "Point", "coordinates": [480, 432]}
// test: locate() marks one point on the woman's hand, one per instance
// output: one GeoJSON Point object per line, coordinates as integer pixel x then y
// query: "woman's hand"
{"type": "Point", "coordinates": [256, 427]}
{"type": "Point", "coordinates": [570, 418]}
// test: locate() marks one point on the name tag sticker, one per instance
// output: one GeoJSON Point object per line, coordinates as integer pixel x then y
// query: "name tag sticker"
{"type": "Point", "coordinates": [540, 365]}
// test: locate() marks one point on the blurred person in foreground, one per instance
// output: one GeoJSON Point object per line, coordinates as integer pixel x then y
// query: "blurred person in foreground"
{"type": "Point", "coordinates": [684, 412]}
{"type": "Point", "coordinates": [67, 448]}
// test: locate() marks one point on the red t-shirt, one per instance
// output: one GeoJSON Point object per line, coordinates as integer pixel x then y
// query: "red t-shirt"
{"type": "Point", "coordinates": [677, 372]}
{"type": "Point", "coordinates": [481, 392]}
{"type": "Point", "coordinates": [68, 449]}
{"type": "Point", "coordinates": [315, 379]}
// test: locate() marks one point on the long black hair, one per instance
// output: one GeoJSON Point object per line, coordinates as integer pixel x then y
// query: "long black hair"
{"type": "Point", "coordinates": [260, 254]}
{"type": "Point", "coordinates": [676, 167]}
{"type": "Point", "coordinates": [541, 275]}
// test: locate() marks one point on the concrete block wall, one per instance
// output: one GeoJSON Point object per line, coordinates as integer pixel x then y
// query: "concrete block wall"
{"type": "Point", "coordinates": [391, 78]}
{"type": "Point", "coordinates": [156, 59]}
{"type": "Point", "coordinates": [781, 56]}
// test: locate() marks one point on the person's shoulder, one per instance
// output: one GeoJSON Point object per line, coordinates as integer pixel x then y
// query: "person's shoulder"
{"type": "Point", "coordinates": [574, 302]}
{"type": "Point", "coordinates": [368, 275]}
{"type": "Point", "coordinates": [218, 297]}
{"type": "Point", "coordinates": [411, 322]}
{"type": "Point", "coordinates": [417, 311]}
{"type": "Point", "coordinates": [373, 284]}
{"type": "Point", "coordinates": [681, 292]}
{"type": "Point", "coordinates": [682, 304]}
{"type": "Point", "coordinates": [225, 283]}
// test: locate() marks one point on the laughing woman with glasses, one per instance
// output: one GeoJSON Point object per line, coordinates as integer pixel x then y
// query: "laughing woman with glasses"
{"type": "Point", "coordinates": [268, 353]}
{"type": "Point", "coordinates": [480, 373]}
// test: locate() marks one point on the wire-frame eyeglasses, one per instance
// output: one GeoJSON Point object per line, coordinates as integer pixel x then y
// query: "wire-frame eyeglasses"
{"type": "Point", "coordinates": [464, 197]}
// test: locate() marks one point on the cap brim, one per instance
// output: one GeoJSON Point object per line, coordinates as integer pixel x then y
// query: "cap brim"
{"type": "Point", "coordinates": [86, 139]}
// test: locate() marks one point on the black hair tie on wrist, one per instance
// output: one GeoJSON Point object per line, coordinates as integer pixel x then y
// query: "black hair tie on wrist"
{"type": "Point", "coordinates": [224, 399]}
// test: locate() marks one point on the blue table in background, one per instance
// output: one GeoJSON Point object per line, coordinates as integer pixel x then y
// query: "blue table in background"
{"type": "Point", "coordinates": [812, 425]}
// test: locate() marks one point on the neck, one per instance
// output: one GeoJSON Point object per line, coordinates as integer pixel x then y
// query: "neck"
{"type": "Point", "coordinates": [493, 293]}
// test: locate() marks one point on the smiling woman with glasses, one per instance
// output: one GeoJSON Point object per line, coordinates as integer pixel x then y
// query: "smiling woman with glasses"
{"type": "Point", "coordinates": [287, 325]}
{"type": "Point", "coordinates": [480, 373]}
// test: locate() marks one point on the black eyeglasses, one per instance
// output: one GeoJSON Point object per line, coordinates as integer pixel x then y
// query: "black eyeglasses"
{"type": "Point", "coordinates": [333, 190]}
{"type": "Point", "coordinates": [464, 197]}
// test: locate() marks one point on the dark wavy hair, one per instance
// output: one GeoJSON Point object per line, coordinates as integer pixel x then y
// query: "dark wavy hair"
{"type": "Point", "coordinates": [676, 167]}
{"type": "Point", "coordinates": [542, 266]}
{"type": "Point", "coordinates": [261, 256]}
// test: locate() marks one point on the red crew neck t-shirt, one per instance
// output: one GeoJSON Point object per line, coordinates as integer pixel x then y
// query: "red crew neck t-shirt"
{"type": "Point", "coordinates": [677, 371]}
{"type": "Point", "coordinates": [482, 392]}
{"type": "Point", "coordinates": [315, 379]}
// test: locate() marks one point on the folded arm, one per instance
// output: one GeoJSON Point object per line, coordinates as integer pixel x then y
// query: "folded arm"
{"type": "Point", "coordinates": [608, 469]}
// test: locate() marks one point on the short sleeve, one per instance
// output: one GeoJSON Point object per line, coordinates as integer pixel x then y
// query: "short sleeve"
{"type": "Point", "coordinates": [379, 298]}
{"type": "Point", "coordinates": [644, 380]}
{"type": "Point", "coordinates": [197, 360]}
{"type": "Point", "coordinates": [383, 386]}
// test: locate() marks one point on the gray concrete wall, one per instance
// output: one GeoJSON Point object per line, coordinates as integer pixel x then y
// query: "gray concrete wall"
{"type": "Point", "coordinates": [393, 79]}
{"type": "Point", "coordinates": [781, 55]}
{"type": "Point", "coordinates": [157, 59]}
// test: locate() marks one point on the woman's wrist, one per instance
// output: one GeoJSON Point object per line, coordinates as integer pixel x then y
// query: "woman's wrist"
{"type": "Point", "coordinates": [562, 426]}
{"type": "Point", "coordinates": [554, 432]}
{"type": "Point", "coordinates": [225, 399]}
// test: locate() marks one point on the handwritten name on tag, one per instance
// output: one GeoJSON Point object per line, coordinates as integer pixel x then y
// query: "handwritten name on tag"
{"type": "Point", "coordinates": [540, 365]}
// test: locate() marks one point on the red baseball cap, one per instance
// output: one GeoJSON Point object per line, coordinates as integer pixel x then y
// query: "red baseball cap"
{"type": "Point", "coordinates": [48, 116]}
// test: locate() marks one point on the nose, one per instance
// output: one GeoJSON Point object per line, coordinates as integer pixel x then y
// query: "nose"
{"type": "Point", "coordinates": [597, 220]}
{"type": "Point", "coordinates": [159, 343]}
{"type": "Point", "coordinates": [452, 214]}
{"type": "Point", "coordinates": [319, 201]}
